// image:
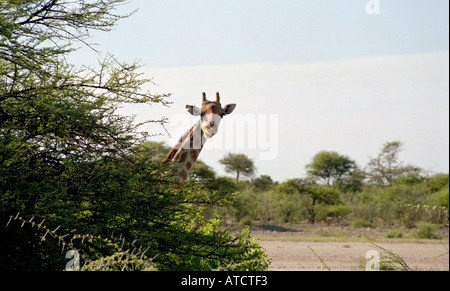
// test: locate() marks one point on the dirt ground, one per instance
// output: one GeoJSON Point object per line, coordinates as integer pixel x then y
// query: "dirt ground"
{"type": "Point", "coordinates": [301, 247]}
{"type": "Point", "coordinates": [350, 256]}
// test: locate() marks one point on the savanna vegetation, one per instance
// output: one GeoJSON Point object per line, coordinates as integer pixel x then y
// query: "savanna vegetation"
{"type": "Point", "coordinates": [337, 191]}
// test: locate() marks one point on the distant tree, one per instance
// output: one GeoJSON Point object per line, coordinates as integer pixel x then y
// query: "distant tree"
{"type": "Point", "coordinates": [263, 183]}
{"type": "Point", "coordinates": [295, 186]}
{"type": "Point", "coordinates": [330, 167]}
{"type": "Point", "coordinates": [386, 167]}
{"type": "Point", "coordinates": [202, 172]}
{"type": "Point", "coordinates": [239, 164]}
{"type": "Point", "coordinates": [353, 182]}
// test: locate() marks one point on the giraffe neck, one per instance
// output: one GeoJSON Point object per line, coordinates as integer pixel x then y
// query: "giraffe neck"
{"type": "Point", "coordinates": [187, 151]}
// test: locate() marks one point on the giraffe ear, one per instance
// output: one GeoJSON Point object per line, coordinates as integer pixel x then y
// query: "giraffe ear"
{"type": "Point", "coordinates": [194, 110]}
{"type": "Point", "coordinates": [228, 109]}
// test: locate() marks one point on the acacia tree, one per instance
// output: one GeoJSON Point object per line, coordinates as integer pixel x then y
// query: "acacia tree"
{"type": "Point", "coordinates": [386, 167]}
{"type": "Point", "coordinates": [68, 157]}
{"type": "Point", "coordinates": [330, 167]}
{"type": "Point", "coordinates": [239, 164]}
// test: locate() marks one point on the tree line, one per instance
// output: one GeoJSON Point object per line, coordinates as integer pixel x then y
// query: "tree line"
{"type": "Point", "coordinates": [336, 190]}
{"type": "Point", "coordinates": [333, 169]}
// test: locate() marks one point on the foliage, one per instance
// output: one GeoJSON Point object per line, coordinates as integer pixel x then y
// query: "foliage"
{"type": "Point", "coordinates": [263, 183]}
{"type": "Point", "coordinates": [441, 198]}
{"type": "Point", "coordinates": [409, 179]}
{"type": "Point", "coordinates": [332, 213]}
{"type": "Point", "coordinates": [361, 223]}
{"type": "Point", "coordinates": [323, 195]}
{"type": "Point", "coordinates": [202, 172]}
{"type": "Point", "coordinates": [404, 203]}
{"type": "Point", "coordinates": [390, 261]}
{"type": "Point", "coordinates": [394, 234]}
{"type": "Point", "coordinates": [155, 151]}
{"type": "Point", "coordinates": [239, 164]}
{"type": "Point", "coordinates": [68, 157]}
{"type": "Point", "coordinates": [425, 230]}
{"type": "Point", "coordinates": [386, 167]}
{"type": "Point", "coordinates": [124, 256]}
{"type": "Point", "coordinates": [330, 167]}
{"type": "Point", "coordinates": [438, 182]}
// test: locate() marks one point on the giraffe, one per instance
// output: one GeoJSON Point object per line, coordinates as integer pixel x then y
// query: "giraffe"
{"type": "Point", "coordinates": [187, 150]}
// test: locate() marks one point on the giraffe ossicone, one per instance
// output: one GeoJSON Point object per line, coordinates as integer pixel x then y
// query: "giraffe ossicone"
{"type": "Point", "coordinates": [188, 148]}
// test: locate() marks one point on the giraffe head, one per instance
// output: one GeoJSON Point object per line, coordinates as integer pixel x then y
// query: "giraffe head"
{"type": "Point", "coordinates": [211, 114]}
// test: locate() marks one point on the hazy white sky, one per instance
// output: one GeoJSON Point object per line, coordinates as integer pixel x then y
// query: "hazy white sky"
{"type": "Point", "coordinates": [306, 75]}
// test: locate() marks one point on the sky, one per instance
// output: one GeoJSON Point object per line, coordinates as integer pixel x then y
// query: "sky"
{"type": "Point", "coordinates": [306, 76]}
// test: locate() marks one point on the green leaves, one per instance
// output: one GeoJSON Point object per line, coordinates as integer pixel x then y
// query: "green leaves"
{"type": "Point", "coordinates": [67, 156]}
{"type": "Point", "coordinates": [239, 164]}
{"type": "Point", "coordinates": [330, 167]}
{"type": "Point", "coordinates": [386, 167]}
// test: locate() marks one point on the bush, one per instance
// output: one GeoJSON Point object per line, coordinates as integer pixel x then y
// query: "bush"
{"type": "Point", "coordinates": [394, 234]}
{"type": "Point", "coordinates": [332, 212]}
{"type": "Point", "coordinates": [410, 179]}
{"type": "Point", "coordinates": [438, 182]}
{"type": "Point", "coordinates": [411, 199]}
{"type": "Point", "coordinates": [425, 230]}
{"type": "Point", "coordinates": [441, 198]}
{"type": "Point", "coordinates": [360, 223]}
{"type": "Point", "coordinates": [246, 221]}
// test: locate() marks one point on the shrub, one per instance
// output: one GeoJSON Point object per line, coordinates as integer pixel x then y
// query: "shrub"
{"type": "Point", "coordinates": [438, 182]}
{"type": "Point", "coordinates": [425, 230]}
{"type": "Point", "coordinates": [394, 234]}
{"type": "Point", "coordinates": [246, 221]}
{"type": "Point", "coordinates": [289, 210]}
{"type": "Point", "coordinates": [332, 212]}
{"type": "Point", "coordinates": [361, 223]}
{"type": "Point", "coordinates": [410, 179]}
{"type": "Point", "coordinates": [441, 198]}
